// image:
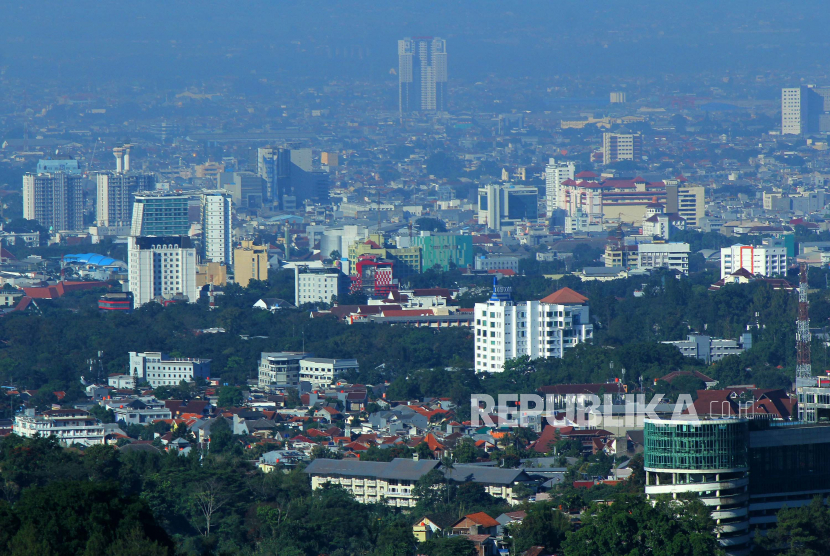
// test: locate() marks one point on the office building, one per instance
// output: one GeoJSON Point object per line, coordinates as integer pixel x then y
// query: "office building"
{"type": "Point", "coordinates": [673, 256]}
{"type": "Point", "coordinates": [156, 213]}
{"type": "Point", "coordinates": [407, 257]}
{"type": "Point", "coordinates": [766, 260]}
{"type": "Point", "coordinates": [162, 268]}
{"type": "Point", "coordinates": [445, 250]}
{"type": "Point", "coordinates": [617, 97]}
{"type": "Point", "coordinates": [744, 469]}
{"type": "Point", "coordinates": [805, 109]}
{"type": "Point", "coordinates": [505, 205]}
{"type": "Point", "coordinates": [497, 262]}
{"type": "Point", "coordinates": [250, 263]}
{"type": "Point", "coordinates": [617, 147]}
{"type": "Point", "coordinates": [555, 174]}
{"type": "Point", "coordinates": [322, 372]}
{"type": "Point", "coordinates": [506, 329]}
{"type": "Point", "coordinates": [710, 349]}
{"type": "Point", "coordinates": [68, 426]}
{"type": "Point", "coordinates": [247, 189]}
{"type": "Point", "coordinates": [290, 177]}
{"type": "Point", "coordinates": [217, 227]}
{"type": "Point", "coordinates": [422, 74]}
{"type": "Point", "coordinates": [279, 369]}
{"type": "Point", "coordinates": [319, 285]}
{"type": "Point", "coordinates": [685, 200]}
{"type": "Point", "coordinates": [115, 196]}
{"type": "Point", "coordinates": [159, 369]}
{"type": "Point", "coordinates": [55, 201]}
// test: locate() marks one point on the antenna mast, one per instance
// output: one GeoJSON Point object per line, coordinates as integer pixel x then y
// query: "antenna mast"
{"type": "Point", "coordinates": [803, 369]}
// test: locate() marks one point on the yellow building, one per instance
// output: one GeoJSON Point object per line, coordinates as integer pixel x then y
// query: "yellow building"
{"type": "Point", "coordinates": [211, 273]}
{"type": "Point", "coordinates": [250, 263]}
{"type": "Point", "coordinates": [407, 259]}
{"type": "Point", "coordinates": [330, 158]}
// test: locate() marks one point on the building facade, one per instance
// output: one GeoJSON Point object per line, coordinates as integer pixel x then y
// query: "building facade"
{"type": "Point", "coordinates": [506, 329]}
{"type": "Point", "coordinates": [55, 201]}
{"type": "Point", "coordinates": [497, 262]}
{"type": "Point", "coordinates": [279, 369]}
{"type": "Point", "coordinates": [444, 250]}
{"type": "Point", "coordinates": [217, 227]}
{"type": "Point", "coordinates": [422, 74]}
{"type": "Point", "coordinates": [805, 109]}
{"type": "Point", "coordinates": [250, 263]}
{"type": "Point", "coordinates": [504, 205]}
{"type": "Point", "coordinates": [69, 426]}
{"type": "Point", "coordinates": [765, 260]}
{"type": "Point", "coordinates": [621, 146]}
{"type": "Point", "coordinates": [711, 349]}
{"type": "Point", "coordinates": [321, 372]}
{"type": "Point", "coordinates": [160, 214]}
{"type": "Point", "coordinates": [674, 256]}
{"type": "Point", "coordinates": [319, 285]}
{"type": "Point", "coordinates": [707, 457]}
{"type": "Point", "coordinates": [555, 174]}
{"type": "Point", "coordinates": [115, 196]}
{"type": "Point", "coordinates": [687, 201]}
{"type": "Point", "coordinates": [159, 369]}
{"type": "Point", "coordinates": [162, 268]}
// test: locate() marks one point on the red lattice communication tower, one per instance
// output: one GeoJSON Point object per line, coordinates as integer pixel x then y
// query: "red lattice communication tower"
{"type": "Point", "coordinates": [803, 368]}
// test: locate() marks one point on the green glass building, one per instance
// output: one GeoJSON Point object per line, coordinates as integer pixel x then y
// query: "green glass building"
{"type": "Point", "coordinates": [444, 249]}
{"type": "Point", "coordinates": [158, 214]}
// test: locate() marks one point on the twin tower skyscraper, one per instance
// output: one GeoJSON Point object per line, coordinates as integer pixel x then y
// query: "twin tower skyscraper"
{"type": "Point", "coordinates": [422, 74]}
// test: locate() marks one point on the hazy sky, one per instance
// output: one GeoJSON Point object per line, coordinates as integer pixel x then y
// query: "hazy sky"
{"type": "Point", "coordinates": [181, 41]}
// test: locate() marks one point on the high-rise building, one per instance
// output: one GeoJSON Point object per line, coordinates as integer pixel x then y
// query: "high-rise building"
{"type": "Point", "coordinates": [621, 146]}
{"type": "Point", "coordinates": [422, 74]}
{"type": "Point", "coordinates": [290, 176]}
{"type": "Point", "coordinates": [162, 268]}
{"type": "Point", "coordinates": [246, 188]}
{"type": "Point", "coordinates": [57, 163]}
{"type": "Point", "coordinates": [767, 260]}
{"type": "Point", "coordinates": [55, 201]}
{"type": "Point", "coordinates": [555, 174]}
{"type": "Point", "coordinates": [250, 263]}
{"type": "Point", "coordinates": [156, 213]}
{"type": "Point", "coordinates": [217, 227]}
{"type": "Point", "coordinates": [115, 196]}
{"type": "Point", "coordinates": [686, 200]}
{"type": "Point", "coordinates": [506, 329]}
{"type": "Point", "coordinates": [504, 205]}
{"type": "Point", "coordinates": [805, 109]}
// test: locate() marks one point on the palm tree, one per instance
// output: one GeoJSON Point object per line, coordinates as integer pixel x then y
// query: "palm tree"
{"type": "Point", "coordinates": [448, 465]}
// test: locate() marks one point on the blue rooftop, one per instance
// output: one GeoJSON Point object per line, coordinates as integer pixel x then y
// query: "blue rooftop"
{"type": "Point", "coordinates": [91, 258]}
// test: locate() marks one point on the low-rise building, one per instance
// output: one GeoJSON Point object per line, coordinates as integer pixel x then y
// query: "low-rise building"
{"type": "Point", "coordinates": [711, 349]}
{"type": "Point", "coordinates": [280, 369]}
{"type": "Point", "coordinates": [319, 285]}
{"type": "Point", "coordinates": [674, 256]}
{"type": "Point", "coordinates": [69, 426]}
{"type": "Point", "coordinates": [159, 369]}
{"type": "Point", "coordinates": [324, 372]}
{"type": "Point", "coordinates": [766, 260]}
{"type": "Point", "coordinates": [138, 411]}
{"type": "Point", "coordinates": [393, 482]}
{"type": "Point", "coordinates": [497, 262]}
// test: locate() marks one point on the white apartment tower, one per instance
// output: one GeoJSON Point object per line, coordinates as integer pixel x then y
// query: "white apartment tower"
{"type": "Point", "coordinates": [115, 196]}
{"type": "Point", "coordinates": [162, 268]}
{"type": "Point", "coordinates": [621, 146]}
{"type": "Point", "coordinates": [555, 174]}
{"type": "Point", "coordinates": [55, 200]}
{"type": "Point", "coordinates": [422, 74]}
{"type": "Point", "coordinates": [765, 260]}
{"type": "Point", "coordinates": [217, 227]}
{"type": "Point", "coordinates": [793, 110]}
{"type": "Point", "coordinates": [505, 329]}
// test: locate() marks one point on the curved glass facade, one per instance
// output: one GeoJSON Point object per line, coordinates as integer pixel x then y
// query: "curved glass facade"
{"type": "Point", "coordinates": [696, 445]}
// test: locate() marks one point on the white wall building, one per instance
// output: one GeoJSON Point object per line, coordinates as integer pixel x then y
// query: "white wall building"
{"type": "Point", "coordinates": [505, 329]}
{"type": "Point", "coordinates": [217, 227]}
{"type": "Point", "coordinates": [69, 426]}
{"type": "Point", "coordinates": [312, 285]}
{"type": "Point", "coordinates": [280, 368]}
{"type": "Point", "coordinates": [555, 174]}
{"type": "Point", "coordinates": [674, 256]}
{"type": "Point", "coordinates": [497, 262]}
{"type": "Point", "coordinates": [766, 261]}
{"type": "Point", "coordinates": [793, 110]}
{"type": "Point", "coordinates": [162, 267]}
{"type": "Point", "coordinates": [161, 370]}
{"type": "Point", "coordinates": [322, 372]}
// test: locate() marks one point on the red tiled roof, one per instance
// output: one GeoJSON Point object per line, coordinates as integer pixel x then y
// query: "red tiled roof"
{"type": "Point", "coordinates": [482, 519]}
{"type": "Point", "coordinates": [565, 296]}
